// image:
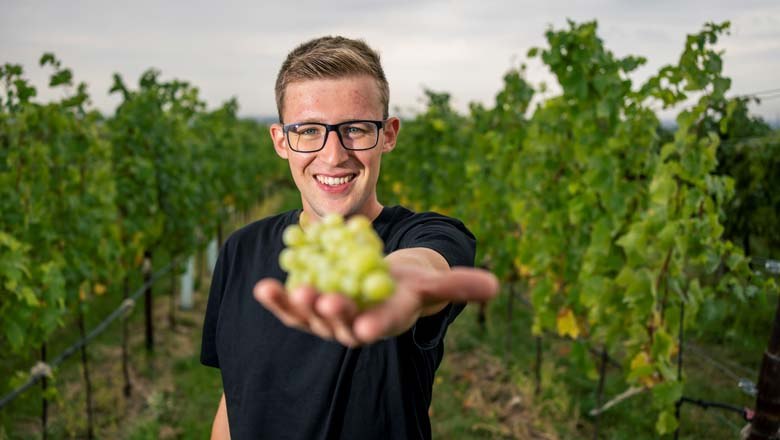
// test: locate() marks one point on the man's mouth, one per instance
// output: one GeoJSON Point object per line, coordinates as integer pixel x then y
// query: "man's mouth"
{"type": "Point", "coordinates": [334, 181]}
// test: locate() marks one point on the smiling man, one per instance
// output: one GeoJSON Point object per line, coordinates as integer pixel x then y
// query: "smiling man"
{"type": "Point", "coordinates": [308, 364]}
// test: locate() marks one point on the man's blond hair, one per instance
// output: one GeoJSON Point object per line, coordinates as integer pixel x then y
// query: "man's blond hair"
{"type": "Point", "coordinates": [331, 58]}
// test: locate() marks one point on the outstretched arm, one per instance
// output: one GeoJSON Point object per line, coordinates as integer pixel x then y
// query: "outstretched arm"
{"type": "Point", "coordinates": [424, 285]}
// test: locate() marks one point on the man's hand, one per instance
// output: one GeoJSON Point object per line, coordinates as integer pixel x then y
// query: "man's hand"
{"type": "Point", "coordinates": [423, 287]}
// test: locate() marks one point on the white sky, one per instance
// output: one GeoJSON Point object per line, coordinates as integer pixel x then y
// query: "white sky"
{"type": "Point", "coordinates": [235, 48]}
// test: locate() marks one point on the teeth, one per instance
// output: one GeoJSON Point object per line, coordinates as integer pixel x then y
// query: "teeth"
{"type": "Point", "coordinates": [333, 181]}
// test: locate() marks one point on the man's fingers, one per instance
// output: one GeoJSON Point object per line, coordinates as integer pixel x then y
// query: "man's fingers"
{"type": "Point", "coordinates": [295, 309]}
{"type": "Point", "coordinates": [303, 300]}
{"type": "Point", "coordinates": [339, 312]}
{"type": "Point", "coordinates": [271, 294]}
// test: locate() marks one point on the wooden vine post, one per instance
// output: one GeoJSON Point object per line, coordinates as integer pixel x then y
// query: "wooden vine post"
{"type": "Point", "coordinates": [148, 302]}
{"type": "Point", "coordinates": [44, 400]}
{"type": "Point", "coordinates": [127, 389]}
{"type": "Point", "coordinates": [510, 305]}
{"type": "Point", "coordinates": [600, 390]}
{"type": "Point", "coordinates": [85, 370]}
{"type": "Point", "coordinates": [766, 422]}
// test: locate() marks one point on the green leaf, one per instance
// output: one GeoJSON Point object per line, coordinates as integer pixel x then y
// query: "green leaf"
{"type": "Point", "coordinates": [666, 395]}
{"type": "Point", "coordinates": [663, 345]}
{"type": "Point", "coordinates": [662, 188]}
{"type": "Point", "coordinates": [62, 77]}
{"type": "Point", "coordinates": [48, 58]}
{"type": "Point", "coordinates": [29, 297]}
{"type": "Point", "coordinates": [720, 87]}
{"type": "Point", "coordinates": [14, 332]}
{"type": "Point", "coordinates": [24, 91]}
{"type": "Point", "coordinates": [581, 359]}
{"type": "Point", "coordinates": [633, 241]}
{"type": "Point", "coordinates": [666, 422]}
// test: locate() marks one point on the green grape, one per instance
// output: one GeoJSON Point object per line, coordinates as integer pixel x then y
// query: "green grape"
{"type": "Point", "coordinates": [337, 256]}
{"type": "Point", "coordinates": [293, 236]}
{"type": "Point", "coordinates": [287, 259]}
{"type": "Point", "coordinates": [350, 286]}
{"type": "Point", "coordinates": [358, 223]}
{"type": "Point", "coordinates": [330, 281]}
{"type": "Point", "coordinates": [377, 285]}
{"type": "Point", "coordinates": [294, 280]}
{"type": "Point", "coordinates": [333, 220]}
{"type": "Point", "coordinates": [360, 261]}
{"type": "Point", "coordinates": [332, 238]}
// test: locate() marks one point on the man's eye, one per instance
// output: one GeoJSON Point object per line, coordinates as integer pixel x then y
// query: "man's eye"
{"type": "Point", "coordinates": [308, 131]}
{"type": "Point", "coordinates": [353, 130]}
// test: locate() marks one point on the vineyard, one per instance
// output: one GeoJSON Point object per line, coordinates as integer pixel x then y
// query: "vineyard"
{"type": "Point", "coordinates": [633, 255]}
{"type": "Point", "coordinates": [88, 202]}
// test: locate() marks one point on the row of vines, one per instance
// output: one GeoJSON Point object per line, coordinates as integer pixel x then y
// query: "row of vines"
{"type": "Point", "coordinates": [86, 199]}
{"type": "Point", "coordinates": [612, 221]}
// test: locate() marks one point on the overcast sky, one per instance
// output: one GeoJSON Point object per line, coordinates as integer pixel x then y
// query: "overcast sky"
{"type": "Point", "coordinates": [234, 48]}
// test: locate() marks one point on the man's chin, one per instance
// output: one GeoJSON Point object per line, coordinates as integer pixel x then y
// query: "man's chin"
{"type": "Point", "coordinates": [324, 209]}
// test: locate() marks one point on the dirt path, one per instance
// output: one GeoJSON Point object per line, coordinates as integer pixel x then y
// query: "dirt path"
{"type": "Point", "coordinates": [476, 388]}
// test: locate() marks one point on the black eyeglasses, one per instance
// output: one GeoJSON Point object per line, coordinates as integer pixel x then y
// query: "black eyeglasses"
{"type": "Point", "coordinates": [308, 137]}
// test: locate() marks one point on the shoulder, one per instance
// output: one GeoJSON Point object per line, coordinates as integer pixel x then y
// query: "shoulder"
{"type": "Point", "coordinates": [399, 219]}
{"type": "Point", "coordinates": [401, 228]}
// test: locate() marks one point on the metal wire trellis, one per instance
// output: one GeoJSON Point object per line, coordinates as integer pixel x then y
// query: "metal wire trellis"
{"type": "Point", "coordinates": [40, 369]}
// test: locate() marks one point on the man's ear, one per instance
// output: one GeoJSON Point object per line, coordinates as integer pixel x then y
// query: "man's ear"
{"type": "Point", "coordinates": [280, 143]}
{"type": "Point", "coordinates": [391, 128]}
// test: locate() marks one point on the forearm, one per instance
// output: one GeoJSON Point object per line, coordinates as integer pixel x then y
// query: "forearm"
{"type": "Point", "coordinates": [220, 429]}
{"type": "Point", "coordinates": [423, 258]}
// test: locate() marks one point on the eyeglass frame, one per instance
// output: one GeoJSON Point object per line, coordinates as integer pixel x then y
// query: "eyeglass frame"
{"type": "Point", "coordinates": [333, 127]}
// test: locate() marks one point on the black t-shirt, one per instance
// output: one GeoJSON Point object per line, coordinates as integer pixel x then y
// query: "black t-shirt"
{"type": "Point", "coordinates": [281, 383]}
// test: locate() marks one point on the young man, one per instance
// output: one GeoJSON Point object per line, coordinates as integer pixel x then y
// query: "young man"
{"type": "Point", "coordinates": [307, 364]}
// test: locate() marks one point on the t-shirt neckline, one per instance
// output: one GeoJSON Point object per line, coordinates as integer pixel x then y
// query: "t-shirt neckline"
{"type": "Point", "coordinates": [384, 216]}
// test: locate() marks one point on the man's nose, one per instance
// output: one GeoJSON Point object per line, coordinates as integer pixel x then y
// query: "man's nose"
{"type": "Point", "coordinates": [333, 152]}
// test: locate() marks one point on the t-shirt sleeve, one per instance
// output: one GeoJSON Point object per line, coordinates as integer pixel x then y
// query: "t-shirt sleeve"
{"type": "Point", "coordinates": [208, 347]}
{"type": "Point", "coordinates": [447, 236]}
{"type": "Point", "coordinates": [450, 238]}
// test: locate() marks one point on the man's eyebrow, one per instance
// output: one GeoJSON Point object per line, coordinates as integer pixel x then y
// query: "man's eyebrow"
{"type": "Point", "coordinates": [305, 121]}
{"type": "Point", "coordinates": [319, 121]}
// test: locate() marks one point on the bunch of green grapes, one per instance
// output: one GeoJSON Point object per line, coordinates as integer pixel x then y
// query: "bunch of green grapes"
{"type": "Point", "coordinates": [335, 256]}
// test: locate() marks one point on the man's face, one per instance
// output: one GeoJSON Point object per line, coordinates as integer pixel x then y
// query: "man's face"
{"type": "Point", "coordinates": [334, 179]}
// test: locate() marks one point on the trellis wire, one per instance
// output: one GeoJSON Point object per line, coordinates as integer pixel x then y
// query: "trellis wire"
{"type": "Point", "coordinates": [40, 369]}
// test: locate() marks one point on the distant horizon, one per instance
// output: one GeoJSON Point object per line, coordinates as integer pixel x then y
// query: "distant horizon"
{"type": "Point", "coordinates": [665, 122]}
